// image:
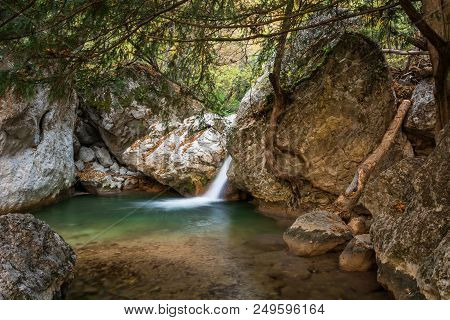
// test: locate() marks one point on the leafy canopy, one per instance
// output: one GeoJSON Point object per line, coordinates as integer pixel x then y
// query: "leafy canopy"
{"type": "Point", "coordinates": [211, 48]}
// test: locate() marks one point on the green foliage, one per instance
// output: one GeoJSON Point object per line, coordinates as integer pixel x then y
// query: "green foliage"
{"type": "Point", "coordinates": [80, 44]}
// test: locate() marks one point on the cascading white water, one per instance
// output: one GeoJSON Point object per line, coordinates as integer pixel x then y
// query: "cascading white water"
{"type": "Point", "coordinates": [211, 195]}
{"type": "Point", "coordinates": [219, 182]}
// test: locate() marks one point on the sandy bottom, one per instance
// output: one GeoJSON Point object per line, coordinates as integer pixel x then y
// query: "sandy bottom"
{"type": "Point", "coordinates": [194, 267]}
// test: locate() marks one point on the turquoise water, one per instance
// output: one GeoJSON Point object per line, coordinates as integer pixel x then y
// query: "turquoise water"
{"type": "Point", "coordinates": [88, 218]}
{"type": "Point", "coordinates": [128, 247]}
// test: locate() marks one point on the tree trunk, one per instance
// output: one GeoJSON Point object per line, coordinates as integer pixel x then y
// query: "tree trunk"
{"type": "Point", "coordinates": [348, 200]}
{"type": "Point", "coordinates": [437, 15]}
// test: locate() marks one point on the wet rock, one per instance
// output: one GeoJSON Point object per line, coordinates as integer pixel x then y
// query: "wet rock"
{"type": "Point", "coordinates": [358, 225]}
{"type": "Point", "coordinates": [316, 233]}
{"type": "Point", "coordinates": [36, 150]}
{"type": "Point", "coordinates": [86, 154]}
{"type": "Point", "coordinates": [421, 117]}
{"type": "Point", "coordinates": [335, 117]}
{"type": "Point", "coordinates": [103, 156]}
{"type": "Point", "coordinates": [292, 269]}
{"type": "Point", "coordinates": [410, 204]}
{"type": "Point", "coordinates": [35, 262]}
{"type": "Point", "coordinates": [358, 255]}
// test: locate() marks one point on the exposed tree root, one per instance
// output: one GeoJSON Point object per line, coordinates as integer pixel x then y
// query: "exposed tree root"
{"type": "Point", "coordinates": [348, 200]}
{"type": "Point", "coordinates": [271, 148]}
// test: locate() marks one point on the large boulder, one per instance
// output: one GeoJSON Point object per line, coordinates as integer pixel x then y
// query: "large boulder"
{"type": "Point", "coordinates": [410, 204]}
{"type": "Point", "coordinates": [335, 116]}
{"type": "Point", "coordinates": [96, 179]}
{"type": "Point", "coordinates": [35, 262]}
{"type": "Point", "coordinates": [420, 121]}
{"type": "Point", "coordinates": [36, 149]}
{"type": "Point", "coordinates": [316, 233]}
{"type": "Point", "coordinates": [187, 157]}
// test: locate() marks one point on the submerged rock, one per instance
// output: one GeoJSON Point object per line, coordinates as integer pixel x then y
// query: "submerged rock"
{"type": "Point", "coordinates": [267, 242]}
{"type": "Point", "coordinates": [36, 150]}
{"type": "Point", "coordinates": [316, 233]}
{"type": "Point", "coordinates": [358, 255]}
{"type": "Point", "coordinates": [35, 262]}
{"type": "Point", "coordinates": [410, 204]}
{"type": "Point", "coordinates": [335, 116]}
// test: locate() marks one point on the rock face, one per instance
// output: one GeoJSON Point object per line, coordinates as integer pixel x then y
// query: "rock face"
{"type": "Point", "coordinates": [421, 117]}
{"type": "Point", "coordinates": [358, 255]}
{"type": "Point", "coordinates": [35, 262]}
{"type": "Point", "coordinates": [410, 204]}
{"type": "Point", "coordinates": [336, 115]}
{"type": "Point", "coordinates": [36, 150]}
{"type": "Point", "coordinates": [155, 128]}
{"type": "Point", "coordinates": [316, 233]}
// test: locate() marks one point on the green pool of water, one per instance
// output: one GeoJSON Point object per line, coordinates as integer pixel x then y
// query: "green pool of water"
{"type": "Point", "coordinates": [88, 218]}
{"type": "Point", "coordinates": [128, 248]}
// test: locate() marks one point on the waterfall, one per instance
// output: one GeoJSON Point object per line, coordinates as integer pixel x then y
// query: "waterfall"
{"type": "Point", "coordinates": [211, 195]}
{"type": "Point", "coordinates": [219, 182]}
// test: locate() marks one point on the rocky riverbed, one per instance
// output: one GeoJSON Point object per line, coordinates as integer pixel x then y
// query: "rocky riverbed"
{"type": "Point", "coordinates": [206, 268]}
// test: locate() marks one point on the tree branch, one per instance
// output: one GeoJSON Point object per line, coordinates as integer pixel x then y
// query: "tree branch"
{"type": "Point", "coordinates": [418, 20]}
{"type": "Point", "coordinates": [406, 53]}
{"type": "Point", "coordinates": [18, 13]}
